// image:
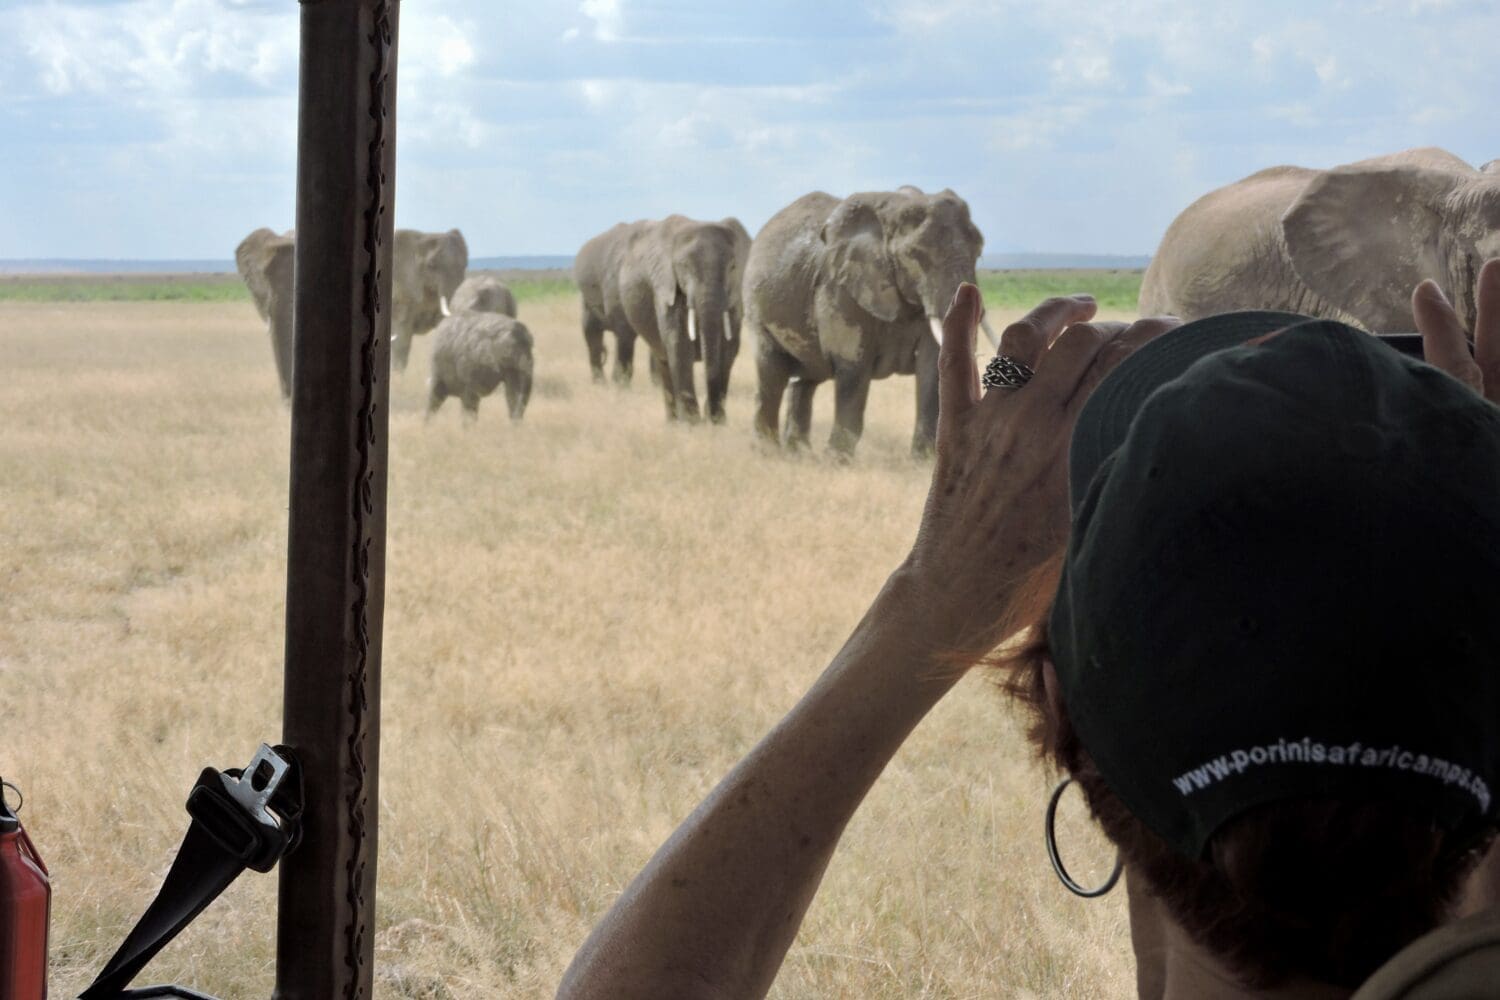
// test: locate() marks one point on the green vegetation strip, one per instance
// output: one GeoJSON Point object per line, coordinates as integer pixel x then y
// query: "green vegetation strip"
{"type": "Point", "coordinates": [85, 289]}
{"type": "Point", "coordinates": [1115, 290]}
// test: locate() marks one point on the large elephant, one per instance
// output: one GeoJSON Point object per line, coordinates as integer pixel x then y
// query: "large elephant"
{"type": "Point", "coordinates": [854, 290]}
{"type": "Point", "coordinates": [1348, 243]}
{"type": "Point", "coordinates": [427, 269]}
{"type": "Point", "coordinates": [265, 260]}
{"type": "Point", "coordinates": [675, 283]}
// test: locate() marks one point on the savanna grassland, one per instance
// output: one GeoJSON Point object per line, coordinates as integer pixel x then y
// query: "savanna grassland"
{"type": "Point", "coordinates": [589, 618]}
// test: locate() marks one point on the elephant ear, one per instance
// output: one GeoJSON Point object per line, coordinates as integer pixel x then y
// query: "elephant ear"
{"type": "Point", "coordinates": [1362, 237]}
{"type": "Point", "coordinates": [281, 264]}
{"type": "Point", "coordinates": [741, 234]}
{"type": "Point", "coordinates": [660, 270]}
{"type": "Point", "coordinates": [855, 258]}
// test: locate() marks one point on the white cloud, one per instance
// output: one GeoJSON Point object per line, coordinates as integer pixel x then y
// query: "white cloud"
{"type": "Point", "coordinates": [608, 18]}
{"type": "Point", "coordinates": [155, 46]}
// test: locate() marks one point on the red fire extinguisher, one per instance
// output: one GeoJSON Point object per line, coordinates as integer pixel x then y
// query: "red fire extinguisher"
{"type": "Point", "coordinates": [25, 907]}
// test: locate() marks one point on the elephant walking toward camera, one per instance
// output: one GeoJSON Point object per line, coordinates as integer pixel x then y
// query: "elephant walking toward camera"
{"type": "Point", "coordinates": [1347, 244]}
{"type": "Point", "coordinates": [852, 290]}
{"type": "Point", "coordinates": [426, 270]}
{"type": "Point", "coordinates": [675, 283]}
{"type": "Point", "coordinates": [265, 260]}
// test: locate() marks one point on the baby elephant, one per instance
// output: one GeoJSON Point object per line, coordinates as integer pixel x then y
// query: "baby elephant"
{"type": "Point", "coordinates": [483, 293]}
{"type": "Point", "coordinates": [472, 353]}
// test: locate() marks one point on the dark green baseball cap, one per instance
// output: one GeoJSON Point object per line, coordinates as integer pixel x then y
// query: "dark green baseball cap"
{"type": "Point", "coordinates": [1283, 578]}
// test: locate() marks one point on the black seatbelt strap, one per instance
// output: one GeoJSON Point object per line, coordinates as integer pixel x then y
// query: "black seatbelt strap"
{"type": "Point", "coordinates": [242, 819]}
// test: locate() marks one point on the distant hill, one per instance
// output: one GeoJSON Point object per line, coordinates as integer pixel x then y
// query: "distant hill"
{"type": "Point", "coordinates": [538, 262]}
{"type": "Point", "coordinates": [1063, 262]}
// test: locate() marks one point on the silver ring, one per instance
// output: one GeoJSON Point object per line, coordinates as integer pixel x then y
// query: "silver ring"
{"type": "Point", "coordinates": [1005, 372]}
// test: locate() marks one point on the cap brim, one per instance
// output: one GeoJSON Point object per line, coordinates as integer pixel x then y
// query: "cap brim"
{"type": "Point", "coordinates": [1107, 415]}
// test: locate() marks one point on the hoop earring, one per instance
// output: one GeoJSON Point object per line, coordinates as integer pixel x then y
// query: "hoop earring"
{"type": "Point", "coordinates": [1056, 858]}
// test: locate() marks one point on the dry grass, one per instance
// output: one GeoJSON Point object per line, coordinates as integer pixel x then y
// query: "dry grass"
{"type": "Point", "coordinates": [590, 617]}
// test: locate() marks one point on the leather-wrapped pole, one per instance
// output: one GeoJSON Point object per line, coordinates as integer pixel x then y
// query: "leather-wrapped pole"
{"type": "Point", "coordinates": [346, 144]}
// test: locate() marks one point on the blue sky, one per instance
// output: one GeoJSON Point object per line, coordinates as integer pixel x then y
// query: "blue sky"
{"type": "Point", "coordinates": [166, 128]}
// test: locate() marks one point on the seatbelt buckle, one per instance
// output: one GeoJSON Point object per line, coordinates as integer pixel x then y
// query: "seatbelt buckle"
{"type": "Point", "coordinates": [254, 813]}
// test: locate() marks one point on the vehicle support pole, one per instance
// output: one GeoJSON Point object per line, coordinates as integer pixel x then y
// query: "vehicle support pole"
{"type": "Point", "coordinates": [346, 143]}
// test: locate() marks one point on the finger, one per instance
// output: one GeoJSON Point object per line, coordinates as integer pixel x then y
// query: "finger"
{"type": "Point", "coordinates": [1066, 364]}
{"type": "Point", "coordinates": [1487, 328]}
{"type": "Point", "coordinates": [1124, 344]}
{"type": "Point", "coordinates": [1444, 342]}
{"type": "Point", "coordinates": [1029, 336]}
{"type": "Point", "coordinates": [958, 375]}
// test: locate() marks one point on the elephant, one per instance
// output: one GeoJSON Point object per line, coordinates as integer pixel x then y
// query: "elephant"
{"type": "Point", "coordinates": [674, 282]}
{"type": "Point", "coordinates": [472, 353]}
{"type": "Point", "coordinates": [265, 260]}
{"type": "Point", "coordinates": [483, 293]}
{"type": "Point", "coordinates": [852, 290]}
{"type": "Point", "coordinates": [1348, 243]}
{"type": "Point", "coordinates": [426, 270]}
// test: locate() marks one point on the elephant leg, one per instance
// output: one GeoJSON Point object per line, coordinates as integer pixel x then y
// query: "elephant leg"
{"type": "Point", "coordinates": [471, 408]}
{"type": "Point", "coordinates": [400, 349]}
{"type": "Point", "coordinates": [624, 358]}
{"type": "Point", "coordinates": [924, 437]}
{"type": "Point", "coordinates": [515, 405]}
{"type": "Point", "coordinates": [680, 351]}
{"type": "Point", "coordinates": [436, 393]}
{"type": "Point", "coordinates": [281, 348]}
{"type": "Point", "coordinates": [851, 385]}
{"type": "Point", "coordinates": [718, 389]}
{"type": "Point", "coordinates": [773, 369]}
{"type": "Point", "coordinates": [799, 413]}
{"type": "Point", "coordinates": [593, 336]}
{"type": "Point", "coordinates": [661, 374]}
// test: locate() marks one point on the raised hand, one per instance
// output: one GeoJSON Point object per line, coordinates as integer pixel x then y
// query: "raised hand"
{"type": "Point", "coordinates": [1445, 342]}
{"type": "Point", "coordinates": [998, 507]}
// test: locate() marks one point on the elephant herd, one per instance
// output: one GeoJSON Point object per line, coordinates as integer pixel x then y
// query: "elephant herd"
{"type": "Point", "coordinates": [478, 346]}
{"type": "Point", "coordinates": [853, 289]}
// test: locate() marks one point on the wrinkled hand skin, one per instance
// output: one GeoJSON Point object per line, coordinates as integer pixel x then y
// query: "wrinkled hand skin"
{"type": "Point", "coordinates": [998, 506]}
{"type": "Point", "coordinates": [1445, 342]}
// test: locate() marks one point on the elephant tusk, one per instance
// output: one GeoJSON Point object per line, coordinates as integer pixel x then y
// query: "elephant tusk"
{"type": "Point", "coordinates": [994, 340]}
{"type": "Point", "coordinates": [937, 329]}
{"type": "Point", "coordinates": [692, 326]}
{"type": "Point", "coordinates": [728, 327]}
{"type": "Point", "coordinates": [443, 305]}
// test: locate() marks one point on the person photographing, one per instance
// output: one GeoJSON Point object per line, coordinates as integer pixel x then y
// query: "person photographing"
{"type": "Point", "coordinates": [1254, 564]}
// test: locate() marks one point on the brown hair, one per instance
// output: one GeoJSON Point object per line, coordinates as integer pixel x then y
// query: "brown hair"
{"type": "Point", "coordinates": [1323, 888]}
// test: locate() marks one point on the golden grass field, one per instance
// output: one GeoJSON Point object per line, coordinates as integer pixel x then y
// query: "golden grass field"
{"type": "Point", "coordinates": [590, 617]}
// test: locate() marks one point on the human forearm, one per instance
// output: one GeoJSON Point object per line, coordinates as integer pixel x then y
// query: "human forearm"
{"type": "Point", "coordinates": [715, 910]}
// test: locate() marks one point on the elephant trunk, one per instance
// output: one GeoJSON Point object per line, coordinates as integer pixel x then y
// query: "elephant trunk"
{"type": "Point", "coordinates": [708, 322]}
{"type": "Point", "coordinates": [937, 329]}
